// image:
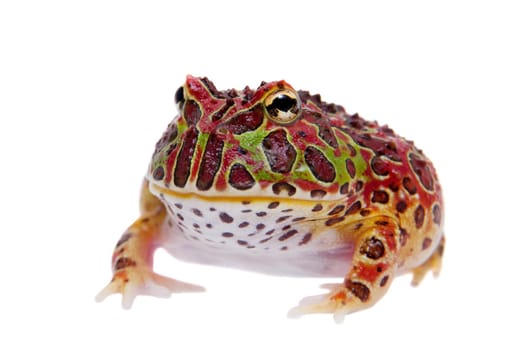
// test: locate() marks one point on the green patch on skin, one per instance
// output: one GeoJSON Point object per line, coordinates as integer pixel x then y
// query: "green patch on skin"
{"type": "Point", "coordinates": [360, 166]}
{"type": "Point", "coordinates": [252, 139]}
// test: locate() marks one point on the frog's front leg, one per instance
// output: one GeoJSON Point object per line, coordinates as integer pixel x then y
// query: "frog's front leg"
{"type": "Point", "coordinates": [132, 259]}
{"type": "Point", "coordinates": [372, 269]}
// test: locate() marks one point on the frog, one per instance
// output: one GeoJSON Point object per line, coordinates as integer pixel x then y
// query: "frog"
{"type": "Point", "coordinates": [277, 181]}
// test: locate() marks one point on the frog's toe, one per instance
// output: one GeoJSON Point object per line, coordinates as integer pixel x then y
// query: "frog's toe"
{"type": "Point", "coordinates": [335, 302]}
{"type": "Point", "coordinates": [144, 282]}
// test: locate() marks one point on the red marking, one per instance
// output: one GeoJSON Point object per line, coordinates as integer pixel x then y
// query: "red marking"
{"type": "Point", "coordinates": [339, 296]}
{"type": "Point", "coordinates": [309, 186]}
{"type": "Point", "coordinates": [390, 240]}
{"type": "Point", "coordinates": [369, 272]}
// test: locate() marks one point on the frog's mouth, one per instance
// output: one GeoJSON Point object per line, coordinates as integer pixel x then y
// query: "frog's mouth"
{"type": "Point", "coordinates": [163, 192]}
{"type": "Point", "coordinates": [267, 195]}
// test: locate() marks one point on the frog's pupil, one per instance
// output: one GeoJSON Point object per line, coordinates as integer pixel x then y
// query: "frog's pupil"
{"type": "Point", "coordinates": [283, 103]}
{"type": "Point", "coordinates": [179, 95]}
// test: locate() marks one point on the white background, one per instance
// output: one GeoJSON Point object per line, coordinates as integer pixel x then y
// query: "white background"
{"type": "Point", "coordinates": [86, 88]}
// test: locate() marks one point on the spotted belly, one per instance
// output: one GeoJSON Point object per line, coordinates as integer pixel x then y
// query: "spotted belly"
{"type": "Point", "coordinates": [248, 224]}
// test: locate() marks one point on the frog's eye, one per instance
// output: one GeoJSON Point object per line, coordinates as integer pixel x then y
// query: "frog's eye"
{"type": "Point", "coordinates": [282, 106]}
{"type": "Point", "coordinates": [179, 97]}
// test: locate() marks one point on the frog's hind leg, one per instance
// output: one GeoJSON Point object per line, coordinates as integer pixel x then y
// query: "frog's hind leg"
{"type": "Point", "coordinates": [372, 269]}
{"type": "Point", "coordinates": [132, 259]}
{"type": "Point", "coordinates": [433, 263]}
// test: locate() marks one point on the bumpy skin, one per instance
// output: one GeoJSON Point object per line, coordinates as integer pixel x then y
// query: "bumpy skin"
{"type": "Point", "coordinates": [278, 181]}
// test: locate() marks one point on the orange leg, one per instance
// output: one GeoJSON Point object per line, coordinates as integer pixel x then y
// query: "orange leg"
{"type": "Point", "coordinates": [372, 270]}
{"type": "Point", "coordinates": [132, 259]}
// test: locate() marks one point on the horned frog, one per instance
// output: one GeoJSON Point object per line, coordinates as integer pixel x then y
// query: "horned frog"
{"type": "Point", "coordinates": [277, 181]}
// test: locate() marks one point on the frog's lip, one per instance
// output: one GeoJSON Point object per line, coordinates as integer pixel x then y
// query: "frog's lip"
{"type": "Point", "coordinates": [167, 192]}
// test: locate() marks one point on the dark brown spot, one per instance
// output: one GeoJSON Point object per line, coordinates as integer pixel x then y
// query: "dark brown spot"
{"type": "Point", "coordinates": [181, 218]}
{"type": "Point", "coordinates": [317, 207]}
{"type": "Point", "coordinates": [426, 243]}
{"type": "Point", "coordinates": [279, 152]}
{"type": "Point", "coordinates": [246, 121]}
{"type": "Point", "coordinates": [273, 205]}
{"type": "Point", "coordinates": [192, 113]}
{"type": "Point", "coordinates": [306, 238]}
{"type": "Point", "coordinates": [265, 240]}
{"type": "Point", "coordinates": [284, 248]}
{"type": "Point", "coordinates": [373, 248]}
{"type": "Point", "coordinates": [183, 164]}
{"type": "Point", "coordinates": [333, 221]}
{"type": "Point", "coordinates": [419, 216]}
{"type": "Point", "coordinates": [178, 205]}
{"type": "Point", "coordinates": [260, 226]}
{"type": "Point", "coordinates": [288, 234]}
{"type": "Point", "coordinates": [381, 222]}
{"type": "Point", "coordinates": [436, 214]}
{"type": "Point", "coordinates": [197, 212]}
{"type": "Point", "coordinates": [240, 178]}
{"type": "Point", "coordinates": [344, 188]}
{"type": "Point", "coordinates": [403, 237]}
{"type": "Point", "coordinates": [358, 289]}
{"type": "Point", "coordinates": [337, 209]}
{"type": "Point", "coordinates": [394, 186]}
{"type": "Point", "coordinates": [212, 209]}
{"type": "Point", "coordinates": [409, 185]}
{"type": "Point", "coordinates": [286, 227]}
{"type": "Point", "coordinates": [245, 202]}
{"type": "Point", "coordinates": [319, 165]}
{"type": "Point", "coordinates": [379, 145]}
{"type": "Point", "coordinates": [243, 224]}
{"type": "Point", "coordinates": [364, 212]}
{"type": "Point", "coordinates": [279, 187]}
{"type": "Point", "coordinates": [158, 173]}
{"type": "Point", "coordinates": [123, 239]}
{"type": "Point", "coordinates": [282, 218]}
{"type": "Point", "coordinates": [124, 262]}
{"type": "Point", "coordinates": [401, 206]}
{"type": "Point", "coordinates": [358, 186]}
{"type": "Point", "coordinates": [225, 218]}
{"type": "Point", "coordinates": [196, 225]}
{"type": "Point", "coordinates": [383, 281]}
{"type": "Point", "coordinates": [241, 242]}
{"type": "Point", "coordinates": [210, 163]}
{"type": "Point", "coordinates": [286, 210]}
{"type": "Point", "coordinates": [209, 225]}
{"type": "Point", "coordinates": [317, 194]}
{"type": "Point", "coordinates": [354, 208]}
{"type": "Point", "coordinates": [260, 213]}
{"type": "Point", "coordinates": [270, 232]}
{"type": "Point", "coordinates": [301, 218]}
{"type": "Point", "coordinates": [380, 197]}
{"type": "Point", "coordinates": [380, 166]}
{"type": "Point", "coordinates": [350, 168]}
{"type": "Point", "coordinates": [422, 170]}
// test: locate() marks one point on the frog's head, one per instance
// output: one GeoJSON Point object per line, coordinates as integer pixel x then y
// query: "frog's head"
{"type": "Point", "coordinates": [269, 142]}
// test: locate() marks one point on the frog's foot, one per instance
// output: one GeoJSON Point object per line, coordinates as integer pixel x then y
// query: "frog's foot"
{"type": "Point", "coordinates": [433, 263]}
{"type": "Point", "coordinates": [339, 301]}
{"type": "Point", "coordinates": [132, 259]}
{"type": "Point", "coordinates": [134, 281]}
